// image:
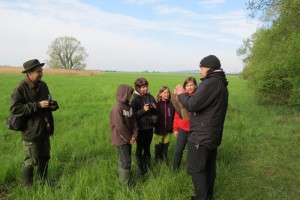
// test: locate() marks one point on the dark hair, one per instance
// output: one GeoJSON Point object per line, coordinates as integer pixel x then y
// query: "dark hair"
{"type": "Point", "coordinates": [139, 82]}
{"type": "Point", "coordinates": [189, 79]}
{"type": "Point", "coordinates": [161, 89]}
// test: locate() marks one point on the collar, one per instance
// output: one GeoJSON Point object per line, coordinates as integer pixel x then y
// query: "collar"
{"type": "Point", "coordinates": [31, 84]}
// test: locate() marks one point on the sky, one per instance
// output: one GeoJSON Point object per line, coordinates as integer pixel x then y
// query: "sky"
{"type": "Point", "coordinates": [128, 35]}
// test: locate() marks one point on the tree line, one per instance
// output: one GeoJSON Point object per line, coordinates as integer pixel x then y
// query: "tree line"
{"type": "Point", "coordinates": [271, 55]}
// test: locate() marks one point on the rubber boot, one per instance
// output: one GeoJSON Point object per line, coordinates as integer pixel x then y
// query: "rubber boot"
{"type": "Point", "coordinates": [158, 153]}
{"type": "Point", "coordinates": [124, 176]}
{"type": "Point", "coordinates": [42, 170]}
{"type": "Point", "coordinates": [165, 153]}
{"type": "Point", "coordinates": [140, 165]}
{"type": "Point", "coordinates": [27, 173]}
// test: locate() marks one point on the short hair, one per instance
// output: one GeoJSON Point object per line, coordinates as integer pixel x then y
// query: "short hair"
{"type": "Point", "coordinates": [139, 82]}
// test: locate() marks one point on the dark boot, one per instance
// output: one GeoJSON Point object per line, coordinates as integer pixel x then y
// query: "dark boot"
{"type": "Point", "coordinates": [165, 152]}
{"type": "Point", "coordinates": [147, 159]}
{"type": "Point", "coordinates": [140, 165]}
{"type": "Point", "coordinates": [27, 173]}
{"type": "Point", "coordinates": [124, 176]}
{"type": "Point", "coordinates": [158, 153]}
{"type": "Point", "coordinates": [42, 170]}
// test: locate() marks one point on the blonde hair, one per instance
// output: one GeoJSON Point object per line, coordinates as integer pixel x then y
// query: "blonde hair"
{"type": "Point", "coordinates": [161, 89]}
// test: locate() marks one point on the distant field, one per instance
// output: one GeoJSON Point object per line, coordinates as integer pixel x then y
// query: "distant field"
{"type": "Point", "coordinates": [258, 158]}
{"type": "Point", "coordinates": [49, 71]}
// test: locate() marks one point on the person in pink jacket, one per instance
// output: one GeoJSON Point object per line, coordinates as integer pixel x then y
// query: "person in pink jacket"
{"type": "Point", "coordinates": [182, 126]}
{"type": "Point", "coordinates": [123, 131]}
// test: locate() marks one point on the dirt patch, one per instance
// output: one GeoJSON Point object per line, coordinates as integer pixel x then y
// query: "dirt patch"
{"type": "Point", "coordinates": [4, 193]}
{"type": "Point", "coordinates": [49, 71]}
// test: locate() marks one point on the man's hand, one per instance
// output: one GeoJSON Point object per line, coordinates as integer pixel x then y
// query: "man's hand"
{"type": "Point", "coordinates": [44, 104]}
{"type": "Point", "coordinates": [179, 89]}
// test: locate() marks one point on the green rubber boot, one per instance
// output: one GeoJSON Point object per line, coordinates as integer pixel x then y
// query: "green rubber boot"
{"type": "Point", "coordinates": [124, 176]}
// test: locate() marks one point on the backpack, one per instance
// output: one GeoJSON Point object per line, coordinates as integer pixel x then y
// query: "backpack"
{"type": "Point", "coordinates": [16, 122]}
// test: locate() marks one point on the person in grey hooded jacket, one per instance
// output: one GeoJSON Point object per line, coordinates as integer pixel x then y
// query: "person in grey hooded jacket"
{"type": "Point", "coordinates": [123, 130]}
{"type": "Point", "coordinates": [208, 108]}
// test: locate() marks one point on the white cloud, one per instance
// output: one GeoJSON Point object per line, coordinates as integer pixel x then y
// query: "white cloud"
{"type": "Point", "coordinates": [116, 41]}
{"type": "Point", "coordinates": [236, 23]}
{"type": "Point", "coordinates": [175, 10]}
{"type": "Point", "coordinates": [141, 1]}
{"type": "Point", "coordinates": [210, 3]}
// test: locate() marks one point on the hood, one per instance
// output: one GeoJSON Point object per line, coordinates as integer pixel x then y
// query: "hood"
{"type": "Point", "coordinates": [219, 74]}
{"type": "Point", "coordinates": [123, 92]}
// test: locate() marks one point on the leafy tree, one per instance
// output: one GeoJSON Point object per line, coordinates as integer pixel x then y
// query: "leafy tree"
{"type": "Point", "coordinates": [67, 52]}
{"type": "Point", "coordinates": [271, 54]}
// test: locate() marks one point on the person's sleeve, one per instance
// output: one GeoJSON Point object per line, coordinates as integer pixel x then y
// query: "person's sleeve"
{"type": "Point", "coordinates": [135, 129]}
{"type": "Point", "coordinates": [138, 113]}
{"type": "Point", "coordinates": [119, 124]}
{"type": "Point", "coordinates": [19, 105]}
{"type": "Point", "coordinates": [176, 122]}
{"type": "Point", "coordinates": [204, 95]}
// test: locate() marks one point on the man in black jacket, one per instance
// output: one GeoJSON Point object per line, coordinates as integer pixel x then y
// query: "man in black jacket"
{"type": "Point", "coordinates": [31, 99]}
{"type": "Point", "coordinates": [208, 108]}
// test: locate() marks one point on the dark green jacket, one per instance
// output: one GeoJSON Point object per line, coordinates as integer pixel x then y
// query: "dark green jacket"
{"type": "Point", "coordinates": [25, 102]}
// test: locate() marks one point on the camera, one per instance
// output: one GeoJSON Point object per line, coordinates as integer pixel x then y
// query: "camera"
{"type": "Point", "coordinates": [150, 105]}
{"type": "Point", "coordinates": [147, 100]}
{"type": "Point", "coordinates": [52, 102]}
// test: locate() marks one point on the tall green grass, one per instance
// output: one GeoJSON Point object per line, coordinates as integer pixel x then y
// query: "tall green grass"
{"type": "Point", "coordinates": [258, 158]}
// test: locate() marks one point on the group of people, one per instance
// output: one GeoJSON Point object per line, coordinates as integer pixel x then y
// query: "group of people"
{"type": "Point", "coordinates": [195, 113]}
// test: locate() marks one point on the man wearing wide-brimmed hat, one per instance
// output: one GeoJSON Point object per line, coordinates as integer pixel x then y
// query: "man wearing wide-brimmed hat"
{"type": "Point", "coordinates": [31, 99]}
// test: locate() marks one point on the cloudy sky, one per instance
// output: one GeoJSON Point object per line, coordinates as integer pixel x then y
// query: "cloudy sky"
{"type": "Point", "coordinates": [128, 35]}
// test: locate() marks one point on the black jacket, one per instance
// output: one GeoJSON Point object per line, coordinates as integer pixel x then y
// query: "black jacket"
{"type": "Point", "coordinates": [208, 106]}
{"type": "Point", "coordinates": [165, 118]}
{"type": "Point", "coordinates": [137, 103]}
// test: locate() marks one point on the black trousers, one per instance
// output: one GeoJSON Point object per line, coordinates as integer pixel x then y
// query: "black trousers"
{"type": "Point", "coordinates": [143, 143]}
{"type": "Point", "coordinates": [125, 156]}
{"type": "Point", "coordinates": [180, 145]}
{"type": "Point", "coordinates": [201, 166]}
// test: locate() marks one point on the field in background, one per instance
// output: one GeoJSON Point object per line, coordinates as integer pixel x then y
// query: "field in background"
{"type": "Point", "coordinates": [258, 158]}
{"type": "Point", "coordinates": [50, 71]}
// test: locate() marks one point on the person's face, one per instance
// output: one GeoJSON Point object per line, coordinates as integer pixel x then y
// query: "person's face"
{"type": "Point", "coordinates": [190, 87]}
{"type": "Point", "coordinates": [165, 95]}
{"type": "Point", "coordinates": [203, 71]}
{"type": "Point", "coordinates": [143, 89]}
{"type": "Point", "coordinates": [36, 75]}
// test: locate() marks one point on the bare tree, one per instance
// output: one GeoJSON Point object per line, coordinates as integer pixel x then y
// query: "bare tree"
{"type": "Point", "coordinates": [66, 52]}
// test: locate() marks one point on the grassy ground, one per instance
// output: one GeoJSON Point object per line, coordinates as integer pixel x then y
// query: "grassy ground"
{"type": "Point", "coordinates": [258, 159]}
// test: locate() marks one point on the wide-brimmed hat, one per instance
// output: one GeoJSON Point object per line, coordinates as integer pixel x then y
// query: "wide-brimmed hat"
{"type": "Point", "coordinates": [30, 64]}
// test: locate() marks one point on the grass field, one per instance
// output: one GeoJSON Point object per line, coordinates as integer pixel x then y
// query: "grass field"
{"type": "Point", "coordinates": [258, 158]}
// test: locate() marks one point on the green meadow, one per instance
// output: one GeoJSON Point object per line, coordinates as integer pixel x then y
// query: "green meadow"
{"type": "Point", "coordinates": [258, 159]}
